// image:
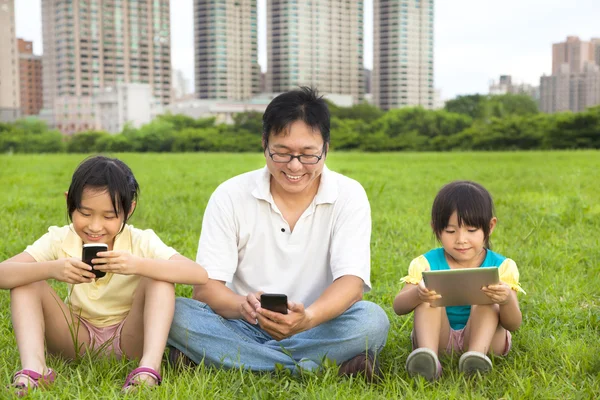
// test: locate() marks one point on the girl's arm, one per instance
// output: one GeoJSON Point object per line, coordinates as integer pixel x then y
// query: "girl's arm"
{"type": "Point", "coordinates": [177, 269]}
{"type": "Point", "coordinates": [506, 298]}
{"type": "Point", "coordinates": [407, 300]}
{"type": "Point", "coordinates": [510, 313]}
{"type": "Point", "coordinates": [22, 269]}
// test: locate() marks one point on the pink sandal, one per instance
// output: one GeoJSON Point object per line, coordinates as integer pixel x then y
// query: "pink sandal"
{"type": "Point", "coordinates": [36, 380]}
{"type": "Point", "coordinates": [129, 382]}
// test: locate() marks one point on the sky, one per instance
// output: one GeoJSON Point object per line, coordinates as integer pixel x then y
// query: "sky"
{"type": "Point", "coordinates": [475, 41]}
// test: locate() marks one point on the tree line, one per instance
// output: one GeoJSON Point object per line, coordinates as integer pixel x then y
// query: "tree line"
{"type": "Point", "coordinates": [473, 122]}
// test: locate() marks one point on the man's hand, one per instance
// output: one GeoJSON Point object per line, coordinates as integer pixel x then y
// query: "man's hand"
{"type": "Point", "coordinates": [426, 295]}
{"type": "Point", "coordinates": [249, 306]}
{"type": "Point", "coordinates": [281, 326]}
{"type": "Point", "coordinates": [74, 271]}
{"type": "Point", "coordinates": [117, 262]}
{"type": "Point", "coordinates": [499, 293]}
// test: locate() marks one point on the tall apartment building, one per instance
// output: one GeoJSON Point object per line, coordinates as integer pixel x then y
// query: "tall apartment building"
{"type": "Point", "coordinates": [9, 63]}
{"type": "Point", "coordinates": [565, 91]}
{"type": "Point", "coordinates": [315, 43]}
{"type": "Point", "coordinates": [90, 45]}
{"type": "Point", "coordinates": [226, 49]}
{"type": "Point", "coordinates": [403, 53]}
{"type": "Point", "coordinates": [576, 53]}
{"type": "Point", "coordinates": [30, 72]}
{"type": "Point", "coordinates": [575, 81]}
{"type": "Point", "coordinates": [505, 85]}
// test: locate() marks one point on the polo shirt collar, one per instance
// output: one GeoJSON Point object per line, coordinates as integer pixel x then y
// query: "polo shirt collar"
{"type": "Point", "coordinates": [73, 244]}
{"type": "Point", "coordinates": [327, 192]}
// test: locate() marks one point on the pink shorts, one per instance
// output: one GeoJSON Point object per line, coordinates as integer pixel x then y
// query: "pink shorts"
{"type": "Point", "coordinates": [456, 341]}
{"type": "Point", "coordinates": [107, 339]}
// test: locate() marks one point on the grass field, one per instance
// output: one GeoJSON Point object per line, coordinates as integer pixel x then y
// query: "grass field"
{"type": "Point", "coordinates": [549, 223]}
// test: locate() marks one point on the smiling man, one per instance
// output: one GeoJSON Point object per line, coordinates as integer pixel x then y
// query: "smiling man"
{"type": "Point", "coordinates": [293, 227]}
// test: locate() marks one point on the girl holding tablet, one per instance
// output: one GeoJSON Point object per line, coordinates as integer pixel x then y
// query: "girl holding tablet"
{"type": "Point", "coordinates": [462, 219]}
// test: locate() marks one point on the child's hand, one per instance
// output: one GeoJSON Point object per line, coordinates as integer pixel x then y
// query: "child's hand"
{"type": "Point", "coordinates": [499, 293]}
{"type": "Point", "coordinates": [74, 271]}
{"type": "Point", "coordinates": [426, 295]}
{"type": "Point", "coordinates": [117, 262]}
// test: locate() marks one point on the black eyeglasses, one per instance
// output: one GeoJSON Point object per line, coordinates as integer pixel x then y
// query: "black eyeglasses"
{"type": "Point", "coordinates": [303, 158]}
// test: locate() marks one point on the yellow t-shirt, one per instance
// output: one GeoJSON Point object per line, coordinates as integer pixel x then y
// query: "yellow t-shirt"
{"type": "Point", "coordinates": [107, 300]}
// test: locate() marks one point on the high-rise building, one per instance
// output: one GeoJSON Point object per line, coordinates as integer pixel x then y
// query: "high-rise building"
{"type": "Point", "coordinates": [315, 43]}
{"type": "Point", "coordinates": [30, 72]}
{"type": "Point", "coordinates": [9, 63]}
{"type": "Point", "coordinates": [179, 85]}
{"type": "Point", "coordinates": [596, 49]}
{"type": "Point", "coordinates": [403, 53]}
{"type": "Point", "coordinates": [575, 81]}
{"type": "Point", "coordinates": [565, 91]}
{"type": "Point", "coordinates": [90, 45]}
{"type": "Point", "coordinates": [574, 52]}
{"type": "Point", "coordinates": [506, 85]}
{"type": "Point", "coordinates": [226, 49]}
{"type": "Point", "coordinates": [125, 103]}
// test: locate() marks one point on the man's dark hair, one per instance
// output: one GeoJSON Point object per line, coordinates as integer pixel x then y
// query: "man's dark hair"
{"type": "Point", "coordinates": [471, 201]}
{"type": "Point", "coordinates": [103, 173]}
{"type": "Point", "coordinates": [303, 104]}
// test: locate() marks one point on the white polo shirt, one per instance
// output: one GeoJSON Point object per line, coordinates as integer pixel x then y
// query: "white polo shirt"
{"type": "Point", "coordinates": [246, 242]}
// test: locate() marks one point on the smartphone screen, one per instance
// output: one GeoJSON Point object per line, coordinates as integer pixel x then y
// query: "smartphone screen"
{"type": "Point", "coordinates": [274, 302]}
{"type": "Point", "coordinates": [90, 251]}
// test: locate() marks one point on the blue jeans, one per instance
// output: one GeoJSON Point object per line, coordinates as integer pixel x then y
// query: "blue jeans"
{"type": "Point", "coordinates": [203, 335]}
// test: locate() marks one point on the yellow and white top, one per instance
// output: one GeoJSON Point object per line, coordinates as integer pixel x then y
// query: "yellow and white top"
{"type": "Point", "coordinates": [107, 300]}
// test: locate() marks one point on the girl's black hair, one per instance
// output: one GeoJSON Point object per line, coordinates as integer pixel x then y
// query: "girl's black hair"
{"type": "Point", "coordinates": [471, 201]}
{"type": "Point", "coordinates": [104, 173]}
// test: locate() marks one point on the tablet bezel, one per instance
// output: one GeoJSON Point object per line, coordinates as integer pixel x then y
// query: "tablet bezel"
{"type": "Point", "coordinates": [461, 287]}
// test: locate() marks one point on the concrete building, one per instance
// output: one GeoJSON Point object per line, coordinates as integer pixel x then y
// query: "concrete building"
{"type": "Point", "coordinates": [226, 49]}
{"type": "Point", "coordinates": [30, 72]}
{"type": "Point", "coordinates": [72, 114]}
{"type": "Point", "coordinates": [565, 91]}
{"type": "Point", "coordinates": [367, 73]}
{"type": "Point", "coordinates": [179, 85]}
{"type": "Point", "coordinates": [91, 45]}
{"type": "Point", "coordinates": [505, 85]}
{"type": "Point", "coordinates": [575, 81]}
{"type": "Point", "coordinates": [225, 110]}
{"type": "Point", "coordinates": [576, 53]}
{"type": "Point", "coordinates": [315, 43]}
{"type": "Point", "coordinates": [403, 53]}
{"type": "Point", "coordinates": [10, 102]}
{"type": "Point", "coordinates": [124, 103]}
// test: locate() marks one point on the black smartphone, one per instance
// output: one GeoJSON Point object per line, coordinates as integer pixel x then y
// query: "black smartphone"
{"type": "Point", "coordinates": [90, 250]}
{"type": "Point", "coordinates": [274, 302]}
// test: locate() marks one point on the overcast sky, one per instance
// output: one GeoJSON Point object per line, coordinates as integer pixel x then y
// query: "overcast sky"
{"type": "Point", "coordinates": [475, 40]}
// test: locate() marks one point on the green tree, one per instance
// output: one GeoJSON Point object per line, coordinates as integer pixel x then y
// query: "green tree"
{"type": "Point", "coordinates": [250, 122]}
{"type": "Point", "coordinates": [85, 142]}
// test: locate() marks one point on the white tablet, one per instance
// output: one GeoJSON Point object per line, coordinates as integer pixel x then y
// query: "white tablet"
{"type": "Point", "coordinates": [461, 287]}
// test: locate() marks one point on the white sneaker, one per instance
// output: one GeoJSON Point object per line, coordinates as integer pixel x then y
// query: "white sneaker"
{"type": "Point", "coordinates": [472, 362]}
{"type": "Point", "coordinates": [424, 362]}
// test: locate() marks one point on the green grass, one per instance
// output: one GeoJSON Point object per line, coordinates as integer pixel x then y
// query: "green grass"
{"type": "Point", "coordinates": [549, 223]}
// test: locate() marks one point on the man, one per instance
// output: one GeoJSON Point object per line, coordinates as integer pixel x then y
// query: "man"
{"type": "Point", "coordinates": [296, 228]}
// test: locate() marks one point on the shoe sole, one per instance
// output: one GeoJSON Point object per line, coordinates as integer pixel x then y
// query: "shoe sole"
{"type": "Point", "coordinates": [423, 363]}
{"type": "Point", "coordinates": [473, 364]}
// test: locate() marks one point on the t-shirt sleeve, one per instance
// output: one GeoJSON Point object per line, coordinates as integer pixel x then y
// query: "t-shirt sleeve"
{"type": "Point", "coordinates": [217, 247]}
{"type": "Point", "coordinates": [151, 246]}
{"type": "Point", "coordinates": [46, 247]}
{"type": "Point", "coordinates": [351, 239]}
{"type": "Point", "coordinates": [415, 270]}
{"type": "Point", "coordinates": [509, 274]}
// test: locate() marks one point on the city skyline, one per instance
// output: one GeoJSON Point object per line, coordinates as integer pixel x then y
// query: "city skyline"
{"type": "Point", "coordinates": [474, 43]}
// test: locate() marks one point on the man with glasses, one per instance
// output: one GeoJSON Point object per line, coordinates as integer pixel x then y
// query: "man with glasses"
{"type": "Point", "coordinates": [293, 227]}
